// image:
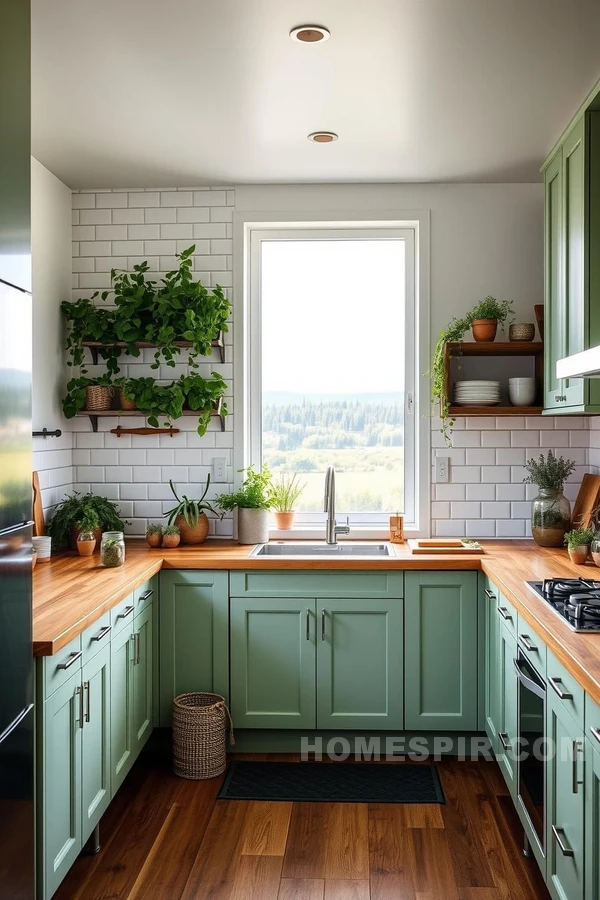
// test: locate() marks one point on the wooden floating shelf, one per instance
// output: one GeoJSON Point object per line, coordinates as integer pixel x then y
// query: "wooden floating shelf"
{"type": "Point", "coordinates": [95, 346]}
{"type": "Point", "coordinates": [94, 415]}
{"type": "Point", "coordinates": [495, 348]}
{"type": "Point", "coordinates": [455, 411]}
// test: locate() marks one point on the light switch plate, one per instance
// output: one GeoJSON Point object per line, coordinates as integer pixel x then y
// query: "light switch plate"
{"type": "Point", "coordinates": [219, 467]}
{"type": "Point", "coordinates": [442, 469]}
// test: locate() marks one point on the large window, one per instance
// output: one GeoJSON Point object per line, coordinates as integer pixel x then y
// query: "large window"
{"type": "Point", "coordinates": [332, 362]}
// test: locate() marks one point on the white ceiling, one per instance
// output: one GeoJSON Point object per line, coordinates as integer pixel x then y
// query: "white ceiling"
{"type": "Point", "coordinates": [144, 93]}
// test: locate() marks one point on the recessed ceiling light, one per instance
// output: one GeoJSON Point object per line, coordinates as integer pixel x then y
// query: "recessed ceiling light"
{"type": "Point", "coordinates": [310, 34]}
{"type": "Point", "coordinates": [323, 137]}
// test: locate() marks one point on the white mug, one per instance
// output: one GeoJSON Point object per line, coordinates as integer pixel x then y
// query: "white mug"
{"type": "Point", "coordinates": [521, 391]}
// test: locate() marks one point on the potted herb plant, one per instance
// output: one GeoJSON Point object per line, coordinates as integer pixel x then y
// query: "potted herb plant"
{"type": "Point", "coordinates": [487, 309]}
{"type": "Point", "coordinates": [189, 516]}
{"type": "Point", "coordinates": [578, 544]}
{"type": "Point", "coordinates": [63, 527]}
{"type": "Point", "coordinates": [253, 500]}
{"type": "Point", "coordinates": [87, 527]}
{"type": "Point", "coordinates": [551, 511]}
{"type": "Point", "coordinates": [154, 535]}
{"type": "Point", "coordinates": [486, 316]}
{"type": "Point", "coordinates": [284, 494]}
{"type": "Point", "coordinates": [171, 537]}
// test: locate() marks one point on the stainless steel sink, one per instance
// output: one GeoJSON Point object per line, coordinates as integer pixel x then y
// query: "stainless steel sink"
{"type": "Point", "coordinates": [355, 550]}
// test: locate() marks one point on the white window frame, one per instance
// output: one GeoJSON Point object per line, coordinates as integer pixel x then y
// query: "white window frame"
{"type": "Point", "coordinates": [250, 229]}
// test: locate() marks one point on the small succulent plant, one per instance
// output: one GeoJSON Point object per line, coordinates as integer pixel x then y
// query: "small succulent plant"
{"type": "Point", "coordinates": [170, 530]}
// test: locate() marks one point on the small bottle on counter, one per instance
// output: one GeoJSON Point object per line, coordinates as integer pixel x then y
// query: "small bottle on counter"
{"type": "Point", "coordinates": [112, 549]}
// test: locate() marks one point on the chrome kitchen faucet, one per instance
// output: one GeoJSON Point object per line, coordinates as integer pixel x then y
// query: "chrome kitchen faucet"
{"type": "Point", "coordinates": [332, 529]}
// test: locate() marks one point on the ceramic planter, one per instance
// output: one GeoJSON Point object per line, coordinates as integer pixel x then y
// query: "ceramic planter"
{"type": "Point", "coordinates": [86, 548]}
{"type": "Point", "coordinates": [484, 329]}
{"type": "Point", "coordinates": [170, 541]}
{"type": "Point", "coordinates": [253, 526]}
{"type": "Point", "coordinates": [579, 554]}
{"type": "Point", "coordinates": [154, 539]}
{"type": "Point", "coordinates": [124, 402]}
{"type": "Point", "coordinates": [193, 534]}
{"type": "Point", "coordinates": [284, 520]}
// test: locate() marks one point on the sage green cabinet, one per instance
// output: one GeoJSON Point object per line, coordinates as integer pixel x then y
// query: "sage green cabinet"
{"type": "Point", "coordinates": [492, 669]}
{"type": "Point", "coordinates": [142, 677]}
{"type": "Point", "coordinates": [592, 819]}
{"type": "Point", "coordinates": [507, 750]}
{"type": "Point", "coordinates": [565, 803]}
{"type": "Point", "coordinates": [360, 664]}
{"type": "Point", "coordinates": [194, 635]}
{"type": "Point", "coordinates": [441, 662]}
{"type": "Point", "coordinates": [273, 663]}
{"type": "Point", "coordinates": [95, 749]}
{"type": "Point", "coordinates": [121, 707]}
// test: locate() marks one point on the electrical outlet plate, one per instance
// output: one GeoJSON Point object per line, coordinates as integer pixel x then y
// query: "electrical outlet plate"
{"type": "Point", "coordinates": [442, 466]}
{"type": "Point", "coordinates": [219, 469]}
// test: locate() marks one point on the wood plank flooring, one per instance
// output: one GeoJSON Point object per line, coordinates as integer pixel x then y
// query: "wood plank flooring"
{"type": "Point", "coordinates": [164, 838]}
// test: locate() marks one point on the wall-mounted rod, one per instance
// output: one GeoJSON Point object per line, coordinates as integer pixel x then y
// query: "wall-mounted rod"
{"type": "Point", "coordinates": [45, 433]}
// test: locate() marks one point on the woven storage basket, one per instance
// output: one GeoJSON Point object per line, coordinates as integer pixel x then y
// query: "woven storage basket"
{"type": "Point", "coordinates": [98, 397]}
{"type": "Point", "coordinates": [199, 726]}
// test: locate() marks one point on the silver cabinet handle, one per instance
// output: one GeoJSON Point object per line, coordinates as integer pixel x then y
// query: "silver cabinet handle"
{"type": "Point", "coordinates": [559, 834]}
{"type": "Point", "coordinates": [323, 625]}
{"type": "Point", "coordinates": [307, 624]}
{"type": "Point", "coordinates": [146, 595]}
{"type": "Point", "coordinates": [504, 613]}
{"type": "Point", "coordinates": [126, 612]}
{"type": "Point", "coordinates": [489, 594]}
{"type": "Point", "coordinates": [102, 633]}
{"type": "Point", "coordinates": [555, 682]}
{"type": "Point", "coordinates": [79, 696]}
{"type": "Point", "coordinates": [595, 732]}
{"type": "Point", "coordinates": [525, 642]}
{"type": "Point", "coordinates": [504, 740]}
{"type": "Point", "coordinates": [73, 657]}
{"type": "Point", "coordinates": [86, 691]}
{"type": "Point", "coordinates": [137, 648]}
{"type": "Point", "coordinates": [577, 748]}
{"type": "Point", "coordinates": [133, 640]}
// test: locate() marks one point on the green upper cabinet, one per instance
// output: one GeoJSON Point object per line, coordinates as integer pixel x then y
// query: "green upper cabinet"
{"type": "Point", "coordinates": [194, 645]}
{"type": "Point", "coordinates": [273, 663]}
{"type": "Point", "coordinates": [572, 270]}
{"type": "Point", "coordinates": [441, 651]}
{"type": "Point", "coordinates": [359, 664]}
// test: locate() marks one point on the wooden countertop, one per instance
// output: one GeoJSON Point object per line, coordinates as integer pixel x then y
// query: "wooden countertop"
{"type": "Point", "coordinates": [72, 592]}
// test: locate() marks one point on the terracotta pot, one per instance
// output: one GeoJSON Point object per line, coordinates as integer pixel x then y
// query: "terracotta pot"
{"type": "Point", "coordinates": [195, 534]}
{"type": "Point", "coordinates": [86, 548]}
{"type": "Point", "coordinates": [579, 555]}
{"type": "Point", "coordinates": [284, 520]}
{"type": "Point", "coordinates": [171, 541]}
{"type": "Point", "coordinates": [484, 329]}
{"type": "Point", "coordinates": [154, 540]}
{"type": "Point", "coordinates": [75, 531]}
{"type": "Point", "coordinates": [124, 402]}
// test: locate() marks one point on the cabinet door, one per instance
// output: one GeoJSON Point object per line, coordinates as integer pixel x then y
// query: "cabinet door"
{"type": "Point", "coordinates": [491, 678]}
{"type": "Point", "coordinates": [565, 817]}
{"type": "Point", "coordinates": [61, 802]}
{"type": "Point", "coordinates": [359, 664]}
{"type": "Point", "coordinates": [273, 663]}
{"type": "Point", "coordinates": [194, 635]}
{"type": "Point", "coordinates": [573, 165]}
{"type": "Point", "coordinates": [143, 681]}
{"type": "Point", "coordinates": [95, 764]}
{"type": "Point", "coordinates": [121, 707]}
{"type": "Point", "coordinates": [592, 822]}
{"type": "Point", "coordinates": [507, 749]}
{"type": "Point", "coordinates": [554, 307]}
{"type": "Point", "coordinates": [441, 651]}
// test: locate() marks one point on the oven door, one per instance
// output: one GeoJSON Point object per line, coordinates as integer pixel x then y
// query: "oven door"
{"type": "Point", "coordinates": [531, 762]}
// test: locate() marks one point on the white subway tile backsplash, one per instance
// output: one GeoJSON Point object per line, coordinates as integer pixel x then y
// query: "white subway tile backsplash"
{"type": "Point", "coordinates": [133, 491]}
{"type": "Point", "coordinates": [176, 198]}
{"type": "Point", "coordinates": [465, 510]}
{"type": "Point", "coordinates": [495, 438]}
{"type": "Point", "coordinates": [177, 231]}
{"type": "Point", "coordinates": [450, 491]}
{"type": "Point", "coordinates": [144, 199]}
{"type": "Point", "coordinates": [527, 438]}
{"type": "Point", "coordinates": [480, 457]}
{"type": "Point", "coordinates": [480, 492]}
{"type": "Point", "coordinates": [495, 474]}
{"type": "Point", "coordinates": [143, 232]}
{"type": "Point", "coordinates": [497, 510]}
{"type": "Point", "coordinates": [110, 200]}
{"type": "Point", "coordinates": [127, 216]}
{"type": "Point", "coordinates": [512, 528]}
{"type": "Point", "coordinates": [111, 233]}
{"type": "Point", "coordinates": [510, 491]}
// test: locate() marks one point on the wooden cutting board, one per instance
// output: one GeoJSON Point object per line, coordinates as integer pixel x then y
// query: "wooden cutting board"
{"type": "Point", "coordinates": [439, 545]}
{"type": "Point", "coordinates": [587, 501]}
{"type": "Point", "coordinates": [39, 524]}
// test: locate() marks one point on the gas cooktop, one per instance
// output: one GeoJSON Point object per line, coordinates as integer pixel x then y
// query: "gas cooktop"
{"type": "Point", "coordinates": [576, 600]}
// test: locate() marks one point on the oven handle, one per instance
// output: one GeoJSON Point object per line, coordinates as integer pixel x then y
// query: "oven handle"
{"type": "Point", "coordinates": [531, 685]}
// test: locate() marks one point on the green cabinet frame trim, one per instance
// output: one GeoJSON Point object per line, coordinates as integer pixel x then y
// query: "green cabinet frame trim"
{"type": "Point", "coordinates": [95, 749]}
{"type": "Point", "coordinates": [373, 584]}
{"type": "Point", "coordinates": [592, 821]}
{"type": "Point", "coordinates": [121, 708]}
{"type": "Point", "coordinates": [441, 666]}
{"type": "Point", "coordinates": [194, 635]}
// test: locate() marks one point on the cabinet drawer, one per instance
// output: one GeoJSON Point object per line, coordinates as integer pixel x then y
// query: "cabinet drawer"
{"type": "Point", "coordinates": [561, 682]}
{"type": "Point", "coordinates": [532, 646]}
{"type": "Point", "coordinates": [508, 614]}
{"type": "Point", "coordinates": [121, 615]}
{"type": "Point", "coordinates": [144, 595]}
{"type": "Point", "coordinates": [59, 668]}
{"type": "Point", "coordinates": [364, 584]}
{"type": "Point", "coordinates": [592, 722]}
{"type": "Point", "coordinates": [95, 637]}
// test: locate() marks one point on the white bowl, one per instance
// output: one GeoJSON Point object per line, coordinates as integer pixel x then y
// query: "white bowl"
{"type": "Point", "coordinates": [522, 393]}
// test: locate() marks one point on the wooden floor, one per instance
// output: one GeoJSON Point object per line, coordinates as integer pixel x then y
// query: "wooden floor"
{"type": "Point", "coordinates": [164, 838]}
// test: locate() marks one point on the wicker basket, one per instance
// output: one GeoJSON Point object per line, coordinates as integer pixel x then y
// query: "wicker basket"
{"type": "Point", "coordinates": [98, 396]}
{"type": "Point", "coordinates": [199, 726]}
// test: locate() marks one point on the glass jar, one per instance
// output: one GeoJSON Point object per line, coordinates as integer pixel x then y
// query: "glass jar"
{"type": "Point", "coordinates": [112, 549]}
{"type": "Point", "coordinates": [595, 550]}
{"type": "Point", "coordinates": [550, 518]}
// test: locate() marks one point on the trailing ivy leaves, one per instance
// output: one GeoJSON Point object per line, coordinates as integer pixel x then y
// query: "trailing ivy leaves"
{"type": "Point", "coordinates": [92, 323]}
{"type": "Point", "coordinates": [167, 401]}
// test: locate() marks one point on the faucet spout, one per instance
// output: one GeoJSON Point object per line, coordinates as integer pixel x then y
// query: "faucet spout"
{"type": "Point", "coordinates": [331, 528]}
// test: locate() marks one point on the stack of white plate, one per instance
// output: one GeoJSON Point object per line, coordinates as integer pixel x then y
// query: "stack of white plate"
{"type": "Point", "coordinates": [477, 393]}
{"type": "Point", "coordinates": [43, 546]}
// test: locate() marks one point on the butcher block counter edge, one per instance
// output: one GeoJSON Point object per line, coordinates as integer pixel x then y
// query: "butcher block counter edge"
{"type": "Point", "coordinates": [71, 592]}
